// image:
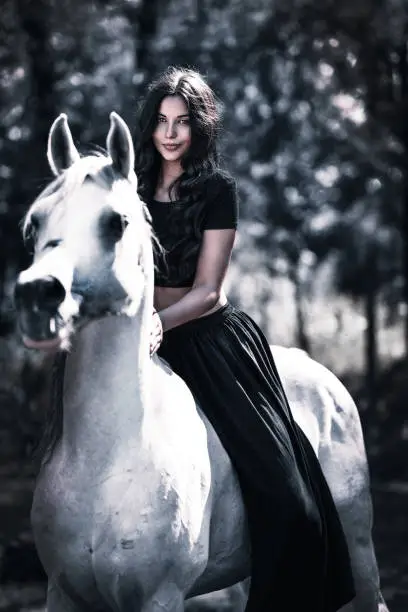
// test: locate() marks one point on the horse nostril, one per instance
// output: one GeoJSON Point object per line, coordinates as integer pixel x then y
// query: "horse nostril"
{"type": "Point", "coordinates": [51, 293]}
{"type": "Point", "coordinates": [42, 293]}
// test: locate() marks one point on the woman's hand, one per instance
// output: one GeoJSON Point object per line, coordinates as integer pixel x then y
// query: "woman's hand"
{"type": "Point", "coordinates": [156, 333]}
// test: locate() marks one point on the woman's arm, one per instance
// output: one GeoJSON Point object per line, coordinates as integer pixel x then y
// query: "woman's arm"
{"type": "Point", "coordinates": [213, 261]}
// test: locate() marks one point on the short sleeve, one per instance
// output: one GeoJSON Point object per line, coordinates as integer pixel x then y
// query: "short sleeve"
{"type": "Point", "coordinates": [222, 206]}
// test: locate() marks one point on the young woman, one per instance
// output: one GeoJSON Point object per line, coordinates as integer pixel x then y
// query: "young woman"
{"type": "Point", "coordinates": [300, 559]}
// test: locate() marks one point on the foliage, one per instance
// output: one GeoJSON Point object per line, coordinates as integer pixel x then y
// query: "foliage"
{"type": "Point", "coordinates": [313, 102]}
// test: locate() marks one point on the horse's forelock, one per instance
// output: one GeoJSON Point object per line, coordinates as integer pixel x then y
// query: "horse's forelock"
{"type": "Point", "coordinates": [96, 167]}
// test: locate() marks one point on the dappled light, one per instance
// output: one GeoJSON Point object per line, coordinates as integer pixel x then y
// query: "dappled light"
{"type": "Point", "coordinates": [350, 108]}
{"type": "Point", "coordinates": [314, 99]}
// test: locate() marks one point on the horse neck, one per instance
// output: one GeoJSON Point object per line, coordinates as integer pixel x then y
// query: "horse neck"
{"type": "Point", "coordinates": [106, 385]}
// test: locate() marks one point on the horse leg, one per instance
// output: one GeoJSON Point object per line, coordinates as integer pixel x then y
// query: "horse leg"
{"type": "Point", "coordinates": [58, 601]}
{"type": "Point", "coordinates": [167, 597]}
{"type": "Point", "coordinates": [351, 490]}
{"type": "Point", "coordinates": [230, 599]}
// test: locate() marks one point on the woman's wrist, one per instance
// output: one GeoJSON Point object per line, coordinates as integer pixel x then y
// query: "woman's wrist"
{"type": "Point", "coordinates": [161, 317]}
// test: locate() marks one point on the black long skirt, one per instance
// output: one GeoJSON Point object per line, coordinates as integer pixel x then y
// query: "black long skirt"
{"type": "Point", "coordinates": [300, 559]}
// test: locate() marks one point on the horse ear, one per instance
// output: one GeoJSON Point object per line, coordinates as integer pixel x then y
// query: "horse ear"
{"type": "Point", "coordinates": [61, 151]}
{"type": "Point", "coordinates": [119, 145]}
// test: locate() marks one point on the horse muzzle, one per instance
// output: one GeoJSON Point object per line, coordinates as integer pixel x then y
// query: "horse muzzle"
{"type": "Point", "coordinates": [37, 302]}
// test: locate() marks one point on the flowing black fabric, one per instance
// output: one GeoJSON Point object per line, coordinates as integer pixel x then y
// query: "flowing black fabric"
{"type": "Point", "coordinates": [300, 559]}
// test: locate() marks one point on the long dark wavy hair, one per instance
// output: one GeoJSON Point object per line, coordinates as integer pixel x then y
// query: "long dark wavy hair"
{"type": "Point", "coordinates": [202, 158]}
{"type": "Point", "coordinates": [201, 161]}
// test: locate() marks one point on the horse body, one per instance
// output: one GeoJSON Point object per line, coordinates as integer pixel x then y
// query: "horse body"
{"type": "Point", "coordinates": [127, 500]}
{"type": "Point", "coordinates": [138, 506]}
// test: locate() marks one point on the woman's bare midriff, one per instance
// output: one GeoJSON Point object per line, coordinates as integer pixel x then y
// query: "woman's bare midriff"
{"type": "Point", "coordinates": [167, 296]}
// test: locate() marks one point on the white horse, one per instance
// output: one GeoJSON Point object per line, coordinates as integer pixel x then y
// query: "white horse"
{"type": "Point", "coordinates": [137, 507]}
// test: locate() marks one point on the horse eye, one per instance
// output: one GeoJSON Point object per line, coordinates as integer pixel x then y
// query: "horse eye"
{"type": "Point", "coordinates": [29, 243]}
{"type": "Point", "coordinates": [113, 225]}
{"type": "Point", "coordinates": [51, 244]}
{"type": "Point", "coordinates": [31, 235]}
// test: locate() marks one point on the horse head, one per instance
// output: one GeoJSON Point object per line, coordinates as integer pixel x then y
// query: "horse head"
{"type": "Point", "coordinates": [90, 238]}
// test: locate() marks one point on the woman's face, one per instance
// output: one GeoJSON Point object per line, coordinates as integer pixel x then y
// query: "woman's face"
{"type": "Point", "coordinates": [172, 136]}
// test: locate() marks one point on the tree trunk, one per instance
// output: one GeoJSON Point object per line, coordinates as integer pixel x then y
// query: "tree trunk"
{"type": "Point", "coordinates": [34, 17]}
{"type": "Point", "coordinates": [371, 348]}
{"type": "Point", "coordinates": [143, 20]}
{"type": "Point", "coordinates": [403, 75]}
{"type": "Point", "coordinates": [40, 109]}
{"type": "Point", "coordinates": [302, 339]}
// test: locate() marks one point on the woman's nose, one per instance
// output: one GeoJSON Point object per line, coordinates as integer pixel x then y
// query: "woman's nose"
{"type": "Point", "coordinates": [171, 130]}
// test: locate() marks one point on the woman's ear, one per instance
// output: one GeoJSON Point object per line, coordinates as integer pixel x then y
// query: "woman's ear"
{"type": "Point", "coordinates": [61, 151]}
{"type": "Point", "coordinates": [119, 145]}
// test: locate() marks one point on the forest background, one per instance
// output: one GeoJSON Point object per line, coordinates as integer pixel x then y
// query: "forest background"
{"type": "Point", "coordinates": [315, 130]}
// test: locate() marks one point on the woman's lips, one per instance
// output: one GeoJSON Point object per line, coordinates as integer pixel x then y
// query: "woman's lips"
{"type": "Point", "coordinates": [171, 147]}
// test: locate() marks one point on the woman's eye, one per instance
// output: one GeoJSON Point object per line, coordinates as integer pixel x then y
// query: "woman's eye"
{"type": "Point", "coordinates": [184, 121]}
{"type": "Point", "coordinates": [161, 120]}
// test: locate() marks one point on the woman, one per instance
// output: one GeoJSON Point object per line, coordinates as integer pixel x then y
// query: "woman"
{"type": "Point", "coordinates": [299, 556]}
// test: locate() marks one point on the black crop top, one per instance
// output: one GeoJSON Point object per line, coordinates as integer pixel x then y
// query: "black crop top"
{"type": "Point", "coordinates": [180, 234]}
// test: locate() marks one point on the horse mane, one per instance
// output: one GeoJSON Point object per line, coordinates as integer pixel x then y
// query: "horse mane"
{"type": "Point", "coordinates": [53, 420]}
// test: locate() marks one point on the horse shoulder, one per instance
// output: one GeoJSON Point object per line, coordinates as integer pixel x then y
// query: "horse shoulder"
{"type": "Point", "coordinates": [176, 431]}
{"type": "Point", "coordinates": [224, 513]}
{"type": "Point", "coordinates": [188, 445]}
{"type": "Point", "coordinates": [174, 398]}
